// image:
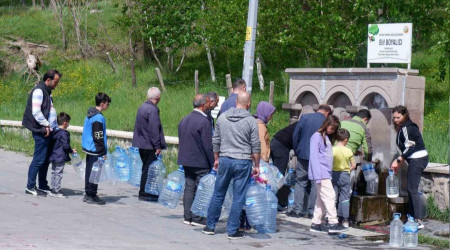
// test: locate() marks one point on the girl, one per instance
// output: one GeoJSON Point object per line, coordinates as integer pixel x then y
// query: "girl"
{"type": "Point", "coordinates": [413, 151]}
{"type": "Point", "coordinates": [319, 171]}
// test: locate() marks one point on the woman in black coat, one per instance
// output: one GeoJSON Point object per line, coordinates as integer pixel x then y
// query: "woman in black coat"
{"type": "Point", "coordinates": [410, 142]}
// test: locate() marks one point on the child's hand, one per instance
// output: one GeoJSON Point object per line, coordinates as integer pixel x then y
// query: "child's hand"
{"type": "Point", "coordinates": [74, 150]}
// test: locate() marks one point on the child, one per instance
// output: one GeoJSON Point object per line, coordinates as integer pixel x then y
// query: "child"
{"type": "Point", "coordinates": [93, 141]}
{"type": "Point", "coordinates": [60, 153]}
{"type": "Point", "coordinates": [342, 156]}
{"type": "Point", "coordinates": [319, 171]}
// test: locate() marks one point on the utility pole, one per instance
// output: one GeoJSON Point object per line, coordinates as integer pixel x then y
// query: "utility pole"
{"type": "Point", "coordinates": [249, 47]}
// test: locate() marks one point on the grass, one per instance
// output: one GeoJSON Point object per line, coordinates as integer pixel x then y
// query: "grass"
{"type": "Point", "coordinates": [435, 213]}
{"type": "Point", "coordinates": [427, 240]}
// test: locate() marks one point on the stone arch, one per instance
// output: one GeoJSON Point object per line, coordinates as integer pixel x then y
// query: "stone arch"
{"type": "Point", "coordinates": [307, 91]}
{"type": "Point", "coordinates": [339, 90]}
{"type": "Point", "coordinates": [366, 95]}
{"type": "Point", "coordinates": [374, 101]}
{"type": "Point", "coordinates": [339, 99]}
{"type": "Point", "coordinates": [307, 98]}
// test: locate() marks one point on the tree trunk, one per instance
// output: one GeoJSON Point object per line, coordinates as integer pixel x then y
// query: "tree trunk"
{"type": "Point", "coordinates": [210, 61]}
{"type": "Point", "coordinates": [133, 73]}
{"type": "Point", "coordinates": [23, 2]}
{"type": "Point", "coordinates": [259, 73]}
{"type": "Point", "coordinates": [58, 13]}
{"type": "Point", "coordinates": [34, 3]}
{"type": "Point", "coordinates": [154, 54]}
{"type": "Point", "coordinates": [76, 23]}
{"type": "Point", "coordinates": [182, 60]}
{"type": "Point", "coordinates": [42, 5]}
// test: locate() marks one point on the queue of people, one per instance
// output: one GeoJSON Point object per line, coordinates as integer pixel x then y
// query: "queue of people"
{"type": "Point", "coordinates": [233, 145]}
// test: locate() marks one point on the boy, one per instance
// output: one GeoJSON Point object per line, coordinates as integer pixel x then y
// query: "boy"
{"type": "Point", "coordinates": [60, 153]}
{"type": "Point", "coordinates": [343, 163]}
{"type": "Point", "coordinates": [93, 142]}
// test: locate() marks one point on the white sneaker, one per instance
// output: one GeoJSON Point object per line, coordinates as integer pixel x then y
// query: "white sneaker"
{"type": "Point", "coordinates": [57, 194]}
{"type": "Point", "coordinates": [345, 223]}
{"type": "Point", "coordinates": [420, 224]}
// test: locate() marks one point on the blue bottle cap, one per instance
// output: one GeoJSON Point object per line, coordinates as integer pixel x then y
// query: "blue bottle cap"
{"type": "Point", "coordinates": [213, 172]}
{"type": "Point", "coordinates": [268, 187]}
{"type": "Point", "coordinates": [397, 215]}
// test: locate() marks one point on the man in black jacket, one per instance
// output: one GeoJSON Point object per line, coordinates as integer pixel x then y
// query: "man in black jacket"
{"type": "Point", "coordinates": [195, 153]}
{"type": "Point", "coordinates": [40, 118]}
{"type": "Point", "coordinates": [148, 136]}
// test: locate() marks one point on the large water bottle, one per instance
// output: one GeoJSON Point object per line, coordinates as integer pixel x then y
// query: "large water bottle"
{"type": "Point", "coordinates": [392, 190]}
{"type": "Point", "coordinates": [369, 172]}
{"type": "Point", "coordinates": [410, 233]}
{"type": "Point", "coordinates": [278, 176]}
{"type": "Point", "coordinates": [291, 200]}
{"type": "Point", "coordinates": [372, 186]}
{"type": "Point", "coordinates": [203, 196]}
{"type": "Point", "coordinates": [108, 171]}
{"type": "Point", "coordinates": [289, 180]}
{"type": "Point", "coordinates": [122, 165]}
{"type": "Point", "coordinates": [255, 204]}
{"type": "Point", "coordinates": [136, 167]}
{"type": "Point", "coordinates": [270, 223]}
{"type": "Point", "coordinates": [155, 177]}
{"type": "Point", "coordinates": [396, 231]}
{"type": "Point", "coordinates": [78, 166]}
{"type": "Point", "coordinates": [173, 189]}
{"type": "Point", "coordinates": [115, 155]}
{"type": "Point", "coordinates": [265, 173]}
{"type": "Point", "coordinates": [96, 171]}
{"type": "Point", "coordinates": [227, 202]}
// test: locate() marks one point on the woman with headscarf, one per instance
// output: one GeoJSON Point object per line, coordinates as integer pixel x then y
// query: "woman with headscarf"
{"type": "Point", "coordinates": [264, 113]}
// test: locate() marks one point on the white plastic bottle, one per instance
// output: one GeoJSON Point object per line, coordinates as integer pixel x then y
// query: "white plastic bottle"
{"type": "Point", "coordinates": [396, 231]}
{"type": "Point", "coordinates": [392, 190]}
{"type": "Point", "coordinates": [410, 233]}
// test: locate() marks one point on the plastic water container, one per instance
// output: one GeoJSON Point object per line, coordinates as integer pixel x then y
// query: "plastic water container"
{"type": "Point", "coordinates": [270, 223]}
{"type": "Point", "coordinates": [115, 155]}
{"type": "Point", "coordinates": [291, 200]}
{"type": "Point", "coordinates": [369, 172]}
{"type": "Point", "coordinates": [424, 202]}
{"type": "Point", "coordinates": [255, 204]}
{"type": "Point", "coordinates": [78, 166]}
{"type": "Point", "coordinates": [122, 165]}
{"type": "Point", "coordinates": [372, 186]}
{"type": "Point", "coordinates": [265, 173]}
{"type": "Point", "coordinates": [136, 167]}
{"type": "Point", "coordinates": [172, 189]}
{"type": "Point", "coordinates": [108, 171]}
{"type": "Point", "coordinates": [155, 177]}
{"type": "Point", "coordinates": [396, 231]}
{"type": "Point", "coordinates": [203, 196]}
{"type": "Point", "coordinates": [289, 180]}
{"type": "Point", "coordinates": [278, 176]}
{"type": "Point", "coordinates": [227, 202]}
{"type": "Point", "coordinates": [96, 171]}
{"type": "Point", "coordinates": [410, 233]}
{"type": "Point", "coordinates": [392, 189]}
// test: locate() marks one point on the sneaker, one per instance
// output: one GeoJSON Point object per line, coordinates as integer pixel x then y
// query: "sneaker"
{"type": "Point", "coordinates": [148, 198]}
{"type": "Point", "coordinates": [208, 231]}
{"type": "Point", "coordinates": [187, 222]}
{"type": "Point", "coordinates": [95, 200]}
{"type": "Point", "coordinates": [236, 236]}
{"type": "Point", "coordinates": [57, 194]}
{"type": "Point", "coordinates": [420, 224]}
{"type": "Point", "coordinates": [282, 210]}
{"type": "Point", "coordinates": [294, 214]}
{"type": "Point", "coordinates": [251, 230]}
{"type": "Point", "coordinates": [318, 228]}
{"type": "Point", "coordinates": [35, 192]}
{"type": "Point", "coordinates": [85, 198]}
{"type": "Point", "coordinates": [345, 223]}
{"type": "Point", "coordinates": [45, 190]}
{"type": "Point", "coordinates": [199, 223]}
{"type": "Point", "coordinates": [336, 228]}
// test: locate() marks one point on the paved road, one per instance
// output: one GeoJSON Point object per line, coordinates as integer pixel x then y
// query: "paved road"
{"type": "Point", "coordinates": [28, 222]}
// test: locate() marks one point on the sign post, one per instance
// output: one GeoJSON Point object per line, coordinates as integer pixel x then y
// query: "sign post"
{"type": "Point", "coordinates": [389, 43]}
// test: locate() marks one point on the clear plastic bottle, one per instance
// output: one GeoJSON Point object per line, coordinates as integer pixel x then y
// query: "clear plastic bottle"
{"type": "Point", "coordinates": [155, 177]}
{"type": "Point", "coordinates": [289, 180]}
{"type": "Point", "coordinates": [372, 186]}
{"type": "Point", "coordinates": [396, 231]}
{"type": "Point", "coordinates": [136, 167]}
{"type": "Point", "coordinates": [122, 165]}
{"type": "Point", "coordinates": [96, 171]}
{"type": "Point", "coordinates": [108, 171]}
{"type": "Point", "coordinates": [203, 196]}
{"type": "Point", "coordinates": [410, 233]}
{"type": "Point", "coordinates": [265, 173]}
{"type": "Point", "coordinates": [392, 190]}
{"type": "Point", "coordinates": [369, 172]}
{"type": "Point", "coordinates": [270, 223]}
{"type": "Point", "coordinates": [255, 204]}
{"type": "Point", "coordinates": [78, 166]}
{"type": "Point", "coordinates": [291, 200]}
{"type": "Point", "coordinates": [278, 176]}
{"type": "Point", "coordinates": [173, 188]}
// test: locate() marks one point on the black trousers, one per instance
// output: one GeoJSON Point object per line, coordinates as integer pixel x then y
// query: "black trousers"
{"type": "Point", "coordinates": [192, 176]}
{"type": "Point", "coordinates": [90, 188]}
{"type": "Point", "coordinates": [280, 158]}
{"type": "Point", "coordinates": [415, 169]}
{"type": "Point", "coordinates": [147, 157]}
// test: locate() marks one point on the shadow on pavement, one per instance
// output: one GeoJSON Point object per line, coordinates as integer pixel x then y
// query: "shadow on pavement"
{"type": "Point", "coordinates": [72, 192]}
{"type": "Point", "coordinates": [112, 199]}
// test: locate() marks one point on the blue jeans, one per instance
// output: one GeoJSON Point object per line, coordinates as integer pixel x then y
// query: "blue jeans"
{"type": "Point", "coordinates": [305, 190]}
{"type": "Point", "coordinates": [39, 164]}
{"type": "Point", "coordinates": [239, 171]}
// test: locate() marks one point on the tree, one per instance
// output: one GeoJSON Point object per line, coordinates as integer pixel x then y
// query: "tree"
{"type": "Point", "coordinates": [58, 7]}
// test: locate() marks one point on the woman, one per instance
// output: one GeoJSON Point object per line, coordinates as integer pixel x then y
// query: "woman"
{"type": "Point", "coordinates": [319, 170]}
{"type": "Point", "coordinates": [410, 142]}
{"type": "Point", "coordinates": [264, 113]}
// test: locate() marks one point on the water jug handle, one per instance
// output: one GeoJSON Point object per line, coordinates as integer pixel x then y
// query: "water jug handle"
{"type": "Point", "coordinates": [391, 172]}
{"type": "Point", "coordinates": [158, 156]}
{"type": "Point", "coordinates": [398, 214]}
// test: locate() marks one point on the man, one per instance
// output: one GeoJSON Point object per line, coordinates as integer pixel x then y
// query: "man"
{"type": "Point", "coordinates": [236, 141]}
{"type": "Point", "coordinates": [213, 101]}
{"type": "Point", "coordinates": [40, 118]}
{"type": "Point", "coordinates": [359, 136]}
{"type": "Point", "coordinates": [195, 154]}
{"type": "Point", "coordinates": [148, 136]}
{"type": "Point", "coordinates": [93, 142]}
{"type": "Point", "coordinates": [306, 127]}
{"type": "Point", "coordinates": [239, 86]}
